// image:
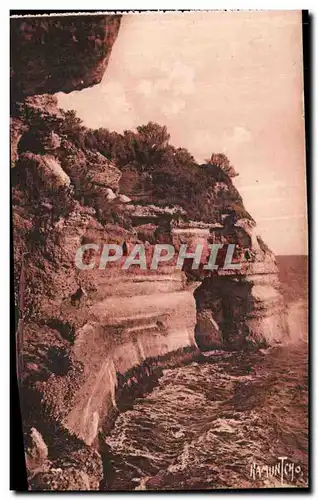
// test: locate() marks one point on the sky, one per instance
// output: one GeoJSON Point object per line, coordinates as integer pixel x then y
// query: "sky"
{"type": "Point", "coordinates": [221, 82]}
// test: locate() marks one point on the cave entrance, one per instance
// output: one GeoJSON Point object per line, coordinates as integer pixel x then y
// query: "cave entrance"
{"type": "Point", "coordinates": [222, 304]}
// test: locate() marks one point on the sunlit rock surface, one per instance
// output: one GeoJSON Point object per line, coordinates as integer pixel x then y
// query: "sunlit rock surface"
{"type": "Point", "coordinates": [140, 317]}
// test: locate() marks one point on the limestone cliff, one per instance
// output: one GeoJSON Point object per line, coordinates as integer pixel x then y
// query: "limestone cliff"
{"type": "Point", "coordinates": [90, 336]}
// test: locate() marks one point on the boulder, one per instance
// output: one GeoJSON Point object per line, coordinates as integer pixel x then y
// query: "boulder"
{"type": "Point", "coordinates": [90, 170]}
{"type": "Point", "coordinates": [44, 170]}
{"type": "Point", "coordinates": [101, 171]}
{"type": "Point", "coordinates": [110, 195]}
{"type": "Point", "coordinates": [37, 453]}
{"type": "Point", "coordinates": [124, 199]}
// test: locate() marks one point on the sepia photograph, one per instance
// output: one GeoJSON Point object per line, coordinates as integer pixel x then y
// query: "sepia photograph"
{"type": "Point", "coordinates": [159, 260]}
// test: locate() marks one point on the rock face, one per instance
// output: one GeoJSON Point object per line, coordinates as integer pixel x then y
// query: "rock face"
{"type": "Point", "coordinates": [135, 319]}
{"type": "Point", "coordinates": [86, 332]}
{"type": "Point", "coordinates": [248, 309]}
{"type": "Point", "coordinates": [237, 308]}
{"type": "Point", "coordinates": [63, 54]}
{"type": "Point", "coordinates": [50, 55]}
{"type": "Point", "coordinates": [245, 305]}
{"type": "Point", "coordinates": [44, 171]}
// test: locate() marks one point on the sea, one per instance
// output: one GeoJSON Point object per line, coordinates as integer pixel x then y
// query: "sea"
{"type": "Point", "coordinates": [226, 420]}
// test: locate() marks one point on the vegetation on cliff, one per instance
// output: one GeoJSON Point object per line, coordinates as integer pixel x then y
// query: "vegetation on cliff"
{"type": "Point", "coordinates": [154, 171]}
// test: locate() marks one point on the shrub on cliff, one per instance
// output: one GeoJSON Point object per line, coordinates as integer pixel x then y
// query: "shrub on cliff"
{"type": "Point", "coordinates": [221, 161]}
{"type": "Point", "coordinates": [155, 171]}
{"type": "Point", "coordinates": [73, 129]}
